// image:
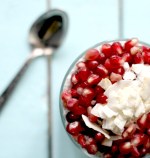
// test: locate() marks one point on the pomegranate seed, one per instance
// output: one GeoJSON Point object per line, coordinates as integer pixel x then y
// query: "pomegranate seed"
{"type": "Point", "coordinates": [148, 131]}
{"type": "Point", "coordinates": [117, 48]}
{"type": "Point", "coordinates": [125, 147]}
{"type": "Point", "coordinates": [107, 156]}
{"type": "Point", "coordinates": [71, 103]}
{"type": "Point", "coordinates": [85, 101]}
{"type": "Point", "coordinates": [92, 149]}
{"type": "Point", "coordinates": [81, 65]}
{"type": "Point", "coordinates": [92, 64]}
{"type": "Point", "coordinates": [129, 131]}
{"type": "Point", "coordinates": [120, 156]}
{"type": "Point", "coordinates": [115, 77]}
{"type": "Point", "coordinates": [119, 71]}
{"type": "Point", "coordinates": [92, 54]}
{"type": "Point", "coordinates": [71, 117]}
{"type": "Point", "coordinates": [146, 56]}
{"type": "Point", "coordinates": [99, 90]}
{"type": "Point", "coordinates": [143, 151]}
{"type": "Point", "coordinates": [93, 79]}
{"type": "Point", "coordinates": [119, 141]}
{"type": "Point", "coordinates": [147, 143]}
{"type": "Point", "coordinates": [90, 140]}
{"type": "Point", "coordinates": [106, 50]}
{"type": "Point", "coordinates": [138, 139]}
{"type": "Point", "coordinates": [83, 74]}
{"type": "Point", "coordinates": [108, 65]}
{"type": "Point", "coordinates": [116, 61]}
{"type": "Point", "coordinates": [81, 140]}
{"type": "Point", "coordinates": [101, 58]}
{"type": "Point", "coordinates": [126, 57]}
{"type": "Point", "coordinates": [75, 79]}
{"type": "Point", "coordinates": [74, 128]}
{"type": "Point", "coordinates": [134, 50]}
{"type": "Point", "coordinates": [145, 49]}
{"type": "Point", "coordinates": [91, 117]}
{"type": "Point", "coordinates": [74, 92]}
{"type": "Point", "coordinates": [99, 137]}
{"type": "Point", "coordinates": [79, 87]}
{"type": "Point", "coordinates": [79, 110]}
{"type": "Point", "coordinates": [65, 96]}
{"type": "Point", "coordinates": [138, 58]}
{"type": "Point", "coordinates": [101, 71]}
{"type": "Point", "coordinates": [135, 152]}
{"type": "Point", "coordinates": [114, 148]}
{"type": "Point", "coordinates": [148, 116]}
{"type": "Point", "coordinates": [142, 121]}
{"type": "Point", "coordinates": [130, 43]}
{"type": "Point", "coordinates": [88, 92]}
{"type": "Point", "coordinates": [101, 98]}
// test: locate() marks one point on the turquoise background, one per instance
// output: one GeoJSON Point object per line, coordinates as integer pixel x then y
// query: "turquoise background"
{"type": "Point", "coordinates": [23, 121]}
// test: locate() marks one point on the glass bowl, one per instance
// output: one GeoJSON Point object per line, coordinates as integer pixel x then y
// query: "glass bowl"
{"type": "Point", "coordinates": [66, 83]}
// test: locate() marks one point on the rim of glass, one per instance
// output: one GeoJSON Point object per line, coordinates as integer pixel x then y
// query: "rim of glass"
{"type": "Point", "coordinates": [61, 108]}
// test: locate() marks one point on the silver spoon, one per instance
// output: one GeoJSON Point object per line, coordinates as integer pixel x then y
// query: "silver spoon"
{"type": "Point", "coordinates": [46, 35]}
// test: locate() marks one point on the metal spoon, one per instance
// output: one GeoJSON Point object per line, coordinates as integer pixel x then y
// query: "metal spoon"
{"type": "Point", "coordinates": [46, 35]}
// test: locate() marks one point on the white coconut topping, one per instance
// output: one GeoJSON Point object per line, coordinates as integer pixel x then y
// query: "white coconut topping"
{"type": "Point", "coordinates": [105, 83]}
{"type": "Point", "coordinates": [95, 126]}
{"type": "Point", "coordinates": [128, 98]}
{"type": "Point", "coordinates": [129, 75]}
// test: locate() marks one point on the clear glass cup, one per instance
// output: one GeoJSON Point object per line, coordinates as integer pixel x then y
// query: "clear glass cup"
{"type": "Point", "coordinates": [65, 84]}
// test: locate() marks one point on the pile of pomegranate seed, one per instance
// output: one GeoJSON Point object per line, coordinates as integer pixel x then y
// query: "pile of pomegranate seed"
{"type": "Point", "coordinates": [84, 93]}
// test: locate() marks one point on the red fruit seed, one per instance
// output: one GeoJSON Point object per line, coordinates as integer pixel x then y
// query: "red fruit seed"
{"type": "Point", "coordinates": [125, 148]}
{"type": "Point", "coordinates": [92, 54]}
{"type": "Point", "coordinates": [81, 140]}
{"type": "Point", "coordinates": [101, 71]}
{"type": "Point", "coordinates": [99, 137]}
{"type": "Point", "coordinates": [135, 152]}
{"type": "Point", "coordinates": [101, 98]}
{"type": "Point", "coordinates": [116, 61]}
{"type": "Point", "coordinates": [92, 64]}
{"type": "Point", "coordinates": [117, 48]}
{"type": "Point", "coordinates": [83, 74]}
{"type": "Point", "coordinates": [106, 50]}
{"type": "Point", "coordinates": [74, 128]}
{"type": "Point", "coordinates": [130, 43]}
{"type": "Point", "coordinates": [65, 96]}
{"type": "Point", "coordinates": [93, 79]}
{"type": "Point", "coordinates": [146, 56]}
{"type": "Point", "coordinates": [71, 103]}
{"type": "Point", "coordinates": [142, 122]}
{"type": "Point", "coordinates": [92, 149]}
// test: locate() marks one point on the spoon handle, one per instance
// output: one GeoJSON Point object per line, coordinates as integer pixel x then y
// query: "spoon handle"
{"type": "Point", "coordinates": [6, 94]}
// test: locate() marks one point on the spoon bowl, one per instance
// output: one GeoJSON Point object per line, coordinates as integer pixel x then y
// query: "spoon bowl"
{"type": "Point", "coordinates": [49, 29]}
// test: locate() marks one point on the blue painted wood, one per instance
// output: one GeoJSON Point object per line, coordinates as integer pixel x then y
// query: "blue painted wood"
{"type": "Point", "coordinates": [23, 122]}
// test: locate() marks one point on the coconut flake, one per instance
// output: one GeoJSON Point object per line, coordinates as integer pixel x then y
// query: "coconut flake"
{"type": "Point", "coordinates": [108, 124]}
{"type": "Point", "coordinates": [126, 66]}
{"type": "Point", "coordinates": [105, 83]}
{"type": "Point", "coordinates": [120, 122]}
{"type": "Point", "coordinates": [129, 75]}
{"type": "Point", "coordinates": [108, 112]}
{"type": "Point", "coordinates": [107, 142]}
{"type": "Point", "coordinates": [137, 68]}
{"type": "Point", "coordinates": [140, 110]}
{"type": "Point", "coordinates": [97, 110]}
{"type": "Point", "coordinates": [95, 126]}
{"type": "Point", "coordinates": [128, 112]}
